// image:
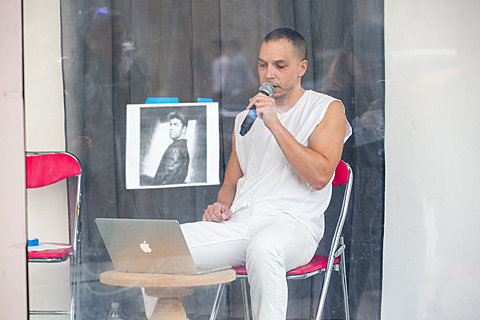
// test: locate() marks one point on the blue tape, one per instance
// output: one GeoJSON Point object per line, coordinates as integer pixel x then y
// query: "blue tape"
{"type": "Point", "coordinates": [151, 100]}
{"type": "Point", "coordinates": [32, 242]}
{"type": "Point", "coordinates": [204, 100]}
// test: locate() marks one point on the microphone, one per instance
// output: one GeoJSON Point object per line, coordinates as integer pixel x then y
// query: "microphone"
{"type": "Point", "coordinates": [267, 89]}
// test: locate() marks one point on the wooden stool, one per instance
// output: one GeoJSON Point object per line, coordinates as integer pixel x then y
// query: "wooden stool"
{"type": "Point", "coordinates": [167, 287]}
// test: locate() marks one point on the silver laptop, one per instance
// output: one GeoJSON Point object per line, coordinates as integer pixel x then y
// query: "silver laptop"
{"type": "Point", "coordinates": [149, 246]}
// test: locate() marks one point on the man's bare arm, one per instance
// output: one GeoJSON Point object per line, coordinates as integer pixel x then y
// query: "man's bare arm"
{"type": "Point", "coordinates": [233, 173]}
{"type": "Point", "coordinates": [316, 163]}
{"type": "Point", "coordinates": [220, 210]}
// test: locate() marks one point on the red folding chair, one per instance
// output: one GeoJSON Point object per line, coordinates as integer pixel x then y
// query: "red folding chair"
{"type": "Point", "coordinates": [335, 260]}
{"type": "Point", "coordinates": [44, 169]}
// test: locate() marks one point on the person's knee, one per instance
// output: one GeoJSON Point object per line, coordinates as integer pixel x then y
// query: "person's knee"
{"type": "Point", "coordinates": [264, 254]}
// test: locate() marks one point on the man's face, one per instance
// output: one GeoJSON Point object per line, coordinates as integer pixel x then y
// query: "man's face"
{"type": "Point", "coordinates": [176, 128]}
{"type": "Point", "coordinates": [279, 65]}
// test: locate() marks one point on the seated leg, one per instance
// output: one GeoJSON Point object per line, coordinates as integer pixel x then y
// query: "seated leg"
{"type": "Point", "coordinates": [275, 247]}
{"type": "Point", "coordinates": [216, 244]}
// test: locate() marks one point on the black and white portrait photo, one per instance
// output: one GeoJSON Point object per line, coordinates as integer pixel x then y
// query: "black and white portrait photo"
{"type": "Point", "coordinates": [172, 145]}
{"type": "Point", "coordinates": [173, 166]}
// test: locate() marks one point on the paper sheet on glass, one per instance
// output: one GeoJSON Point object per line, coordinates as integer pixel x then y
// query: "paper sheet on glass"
{"type": "Point", "coordinates": [159, 156]}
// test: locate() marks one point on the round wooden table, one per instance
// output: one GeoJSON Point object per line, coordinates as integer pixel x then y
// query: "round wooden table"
{"type": "Point", "coordinates": [167, 287]}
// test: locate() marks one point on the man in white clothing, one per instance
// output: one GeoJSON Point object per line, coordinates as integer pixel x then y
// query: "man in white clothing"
{"type": "Point", "coordinates": [269, 210]}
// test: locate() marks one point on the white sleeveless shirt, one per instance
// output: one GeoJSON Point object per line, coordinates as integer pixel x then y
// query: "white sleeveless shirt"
{"type": "Point", "coordinates": [268, 180]}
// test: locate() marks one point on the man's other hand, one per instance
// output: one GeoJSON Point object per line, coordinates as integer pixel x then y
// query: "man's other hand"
{"type": "Point", "coordinates": [217, 212]}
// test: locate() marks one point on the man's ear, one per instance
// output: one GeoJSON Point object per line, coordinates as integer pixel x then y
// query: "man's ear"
{"type": "Point", "coordinates": [303, 67]}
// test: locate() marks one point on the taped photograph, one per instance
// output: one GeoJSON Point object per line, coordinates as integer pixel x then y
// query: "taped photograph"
{"type": "Point", "coordinates": [172, 145]}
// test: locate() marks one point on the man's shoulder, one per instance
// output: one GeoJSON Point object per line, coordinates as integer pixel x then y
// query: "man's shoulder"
{"type": "Point", "coordinates": [318, 95]}
{"type": "Point", "coordinates": [315, 99]}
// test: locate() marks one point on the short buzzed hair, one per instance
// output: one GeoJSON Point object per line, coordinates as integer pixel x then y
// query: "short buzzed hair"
{"type": "Point", "coordinates": [297, 40]}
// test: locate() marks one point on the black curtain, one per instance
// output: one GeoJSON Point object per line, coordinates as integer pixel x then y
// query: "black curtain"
{"type": "Point", "coordinates": [122, 51]}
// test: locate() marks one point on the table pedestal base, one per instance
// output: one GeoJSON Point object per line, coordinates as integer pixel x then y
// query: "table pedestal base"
{"type": "Point", "coordinates": [169, 308]}
{"type": "Point", "coordinates": [168, 304]}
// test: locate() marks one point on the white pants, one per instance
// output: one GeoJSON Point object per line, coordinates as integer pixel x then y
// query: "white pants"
{"type": "Point", "coordinates": [268, 243]}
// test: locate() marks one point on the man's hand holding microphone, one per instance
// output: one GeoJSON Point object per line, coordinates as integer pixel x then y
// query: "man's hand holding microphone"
{"type": "Point", "coordinates": [259, 105]}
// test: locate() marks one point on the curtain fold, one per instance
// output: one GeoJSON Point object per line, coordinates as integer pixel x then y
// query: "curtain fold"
{"type": "Point", "coordinates": [121, 52]}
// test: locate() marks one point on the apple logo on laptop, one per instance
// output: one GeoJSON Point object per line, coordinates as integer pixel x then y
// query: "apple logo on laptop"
{"type": "Point", "coordinates": [145, 247]}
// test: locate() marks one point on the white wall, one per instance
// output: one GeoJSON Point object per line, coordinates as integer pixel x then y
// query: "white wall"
{"type": "Point", "coordinates": [432, 220]}
{"type": "Point", "coordinates": [13, 273]}
{"type": "Point", "coordinates": [45, 131]}
{"type": "Point", "coordinates": [44, 113]}
{"type": "Point", "coordinates": [44, 116]}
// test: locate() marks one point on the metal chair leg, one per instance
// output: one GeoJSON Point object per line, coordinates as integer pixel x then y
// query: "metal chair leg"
{"type": "Point", "coordinates": [216, 304]}
{"type": "Point", "coordinates": [246, 305]}
{"type": "Point", "coordinates": [323, 293]}
{"type": "Point", "coordinates": [312, 294]}
{"type": "Point", "coordinates": [73, 292]}
{"type": "Point", "coordinates": [343, 275]}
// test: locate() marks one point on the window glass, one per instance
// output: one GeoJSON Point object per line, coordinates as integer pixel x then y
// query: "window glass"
{"type": "Point", "coordinates": [116, 53]}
